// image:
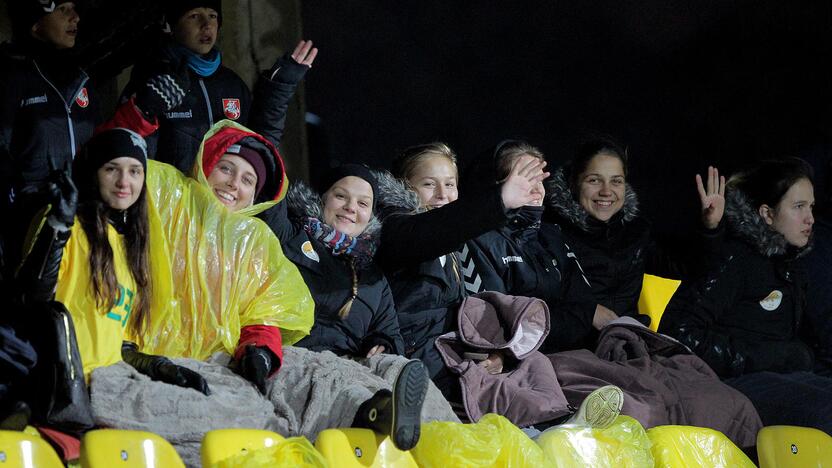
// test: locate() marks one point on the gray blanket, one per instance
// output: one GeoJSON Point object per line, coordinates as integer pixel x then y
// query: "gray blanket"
{"type": "Point", "coordinates": [311, 392]}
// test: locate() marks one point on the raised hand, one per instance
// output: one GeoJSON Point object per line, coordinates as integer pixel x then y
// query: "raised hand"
{"type": "Point", "coordinates": [291, 68]}
{"type": "Point", "coordinates": [518, 189]}
{"type": "Point", "coordinates": [712, 199]}
{"type": "Point", "coordinates": [304, 53]}
{"type": "Point", "coordinates": [63, 197]}
{"type": "Point", "coordinates": [164, 89]}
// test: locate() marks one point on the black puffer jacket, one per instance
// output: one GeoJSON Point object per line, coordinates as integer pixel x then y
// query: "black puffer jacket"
{"type": "Point", "coordinates": [616, 254]}
{"type": "Point", "coordinates": [529, 258]}
{"type": "Point", "coordinates": [222, 95]}
{"type": "Point", "coordinates": [372, 319]}
{"type": "Point", "coordinates": [418, 254]}
{"type": "Point", "coordinates": [745, 316]}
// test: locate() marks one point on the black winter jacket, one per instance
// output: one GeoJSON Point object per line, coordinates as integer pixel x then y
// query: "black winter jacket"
{"type": "Point", "coordinates": [819, 293]}
{"type": "Point", "coordinates": [529, 258]}
{"type": "Point", "coordinates": [745, 316]}
{"type": "Point", "coordinates": [418, 254]}
{"type": "Point", "coordinates": [372, 319]}
{"type": "Point", "coordinates": [616, 254]}
{"type": "Point", "coordinates": [222, 95]}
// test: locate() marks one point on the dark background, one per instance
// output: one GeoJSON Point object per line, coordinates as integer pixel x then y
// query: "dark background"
{"type": "Point", "coordinates": [681, 83]}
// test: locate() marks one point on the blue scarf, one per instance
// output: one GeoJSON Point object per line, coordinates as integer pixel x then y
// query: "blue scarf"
{"type": "Point", "coordinates": [202, 65]}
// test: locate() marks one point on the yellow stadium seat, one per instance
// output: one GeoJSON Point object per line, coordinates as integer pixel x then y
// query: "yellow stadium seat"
{"type": "Point", "coordinates": [358, 448]}
{"type": "Point", "coordinates": [220, 444]}
{"type": "Point", "coordinates": [108, 448]}
{"type": "Point", "coordinates": [793, 446]}
{"type": "Point", "coordinates": [690, 446]}
{"type": "Point", "coordinates": [655, 295]}
{"type": "Point", "coordinates": [24, 450]}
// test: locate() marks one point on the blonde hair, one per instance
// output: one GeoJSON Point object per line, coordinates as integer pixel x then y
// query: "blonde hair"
{"type": "Point", "coordinates": [405, 164]}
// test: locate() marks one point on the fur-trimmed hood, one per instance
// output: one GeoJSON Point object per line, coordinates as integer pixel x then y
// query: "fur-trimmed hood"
{"type": "Point", "coordinates": [744, 221]}
{"type": "Point", "coordinates": [303, 202]}
{"type": "Point", "coordinates": [394, 195]}
{"type": "Point", "coordinates": [559, 198]}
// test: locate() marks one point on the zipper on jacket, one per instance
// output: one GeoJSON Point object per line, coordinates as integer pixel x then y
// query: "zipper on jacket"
{"type": "Point", "coordinates": [66, 106]}
{"type": "Point", "coordinates": [207, 102]}
{"type": "Point", "coordinates": [68, 347]}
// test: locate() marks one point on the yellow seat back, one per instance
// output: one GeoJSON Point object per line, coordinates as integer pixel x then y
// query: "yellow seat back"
{"type": "Point", "coordinates": [220, 444]}
{"type": "Point", "coordinates": [793, 446]}
{"type": "Point", "coordinates": [689, 446]}
{"type": "Point", "coordinates": [108, 448]}
{"type": "Point", "coordinates": [23, 450]}
{"type": "Point", "coordinates": [357, 448]}
{"type": "Point", "coordinates": [655, 295]}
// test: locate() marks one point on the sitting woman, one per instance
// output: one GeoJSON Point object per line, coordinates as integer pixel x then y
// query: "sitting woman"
{"type": "Point", "coordinates": [598, 213]}
{"type": "Point", "coordinates": [744, 318]}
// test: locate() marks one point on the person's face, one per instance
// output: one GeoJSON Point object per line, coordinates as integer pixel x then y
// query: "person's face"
{"type": "Point", "coordinates": [435, 180]}
{"type": "Point", "coordinates": [197, 30]}
{"type": "Point", "coordinates": [348, 205]}
{"type": "Point", "coordinates": [602, 187]}
{"type": "Point", "coordinates": [58, 28]}
{"type": "Point", "coordinates": [792, 217]}
{"type": "Point", "coordinates": [233, 181]}
{"type": "Point", "coordinates": [537, 190]}
{"type": "Point", "coordinates": [120, 182]}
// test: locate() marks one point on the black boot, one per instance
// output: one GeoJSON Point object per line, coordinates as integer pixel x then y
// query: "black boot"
{"type": "Point", "coordinates": [397, 413]}
{"type": "Point", "coordinates": [15, 417]}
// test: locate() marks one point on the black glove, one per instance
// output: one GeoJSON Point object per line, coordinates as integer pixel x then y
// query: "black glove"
{"type": "Point", "coordinates": [256, 365]}
{"type": "Point", "coordinates": [162, 369]}
{"type": "Point", "coordinates": [63, 197]}
{"type": "Point", "coordinates": [287, 70]}
{"type": "Point", "coordinates": [165, 89]}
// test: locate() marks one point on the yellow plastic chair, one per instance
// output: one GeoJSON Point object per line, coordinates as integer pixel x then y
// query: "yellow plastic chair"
{"type": "Point", "coordinates": [108, 448]}
{"type": "Point", "coordinates": [220, 444]}
{"type": "Point", "coordinates": [358, 448]}
{"type": "Point", "coordinates": [655, 295]}
{"type": "Point", "coordinates": [793, 446]}
{"type": "Point", "coordinates": [24, 450]}
{"type": "Point", "coordinates": [690, 446]}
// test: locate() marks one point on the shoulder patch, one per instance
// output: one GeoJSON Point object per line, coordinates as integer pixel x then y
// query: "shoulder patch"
{"type": "Point", "coordinates": [83, 98]}
{"type": "Point", "coordinates": [772, 301]}
{"type": "Point", "coordinates": [231, 108]}
{"type": "Point", "coordinates": [309, 251]}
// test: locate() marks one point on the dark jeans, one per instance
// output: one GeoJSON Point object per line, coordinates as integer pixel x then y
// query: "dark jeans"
{"type": "Point", "coordinates": [796, 399]}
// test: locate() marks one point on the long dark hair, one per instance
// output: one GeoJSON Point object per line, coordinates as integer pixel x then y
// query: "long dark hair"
{"type": "Point", "coordinates": [768, 181]}
{"type": "Point", "coordinates": [586, 152]}
{"type": "Point", "coordinates": [95, 216]}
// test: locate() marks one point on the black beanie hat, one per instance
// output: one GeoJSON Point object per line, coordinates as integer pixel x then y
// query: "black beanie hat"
{"type": "Point", "coordinates": [112, 144]}
{"type": "Point", "coordinates": [259, 156]}
{"type": "Point", "coordinates": [345, 170]}
{"type": "Point", "coordinates": [25, 13]}
{"type": "Point", "coordinates": [176, 8]}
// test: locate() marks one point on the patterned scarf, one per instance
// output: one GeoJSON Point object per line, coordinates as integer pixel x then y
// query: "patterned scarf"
{"type": "Point", "coordinates": [361, 248]}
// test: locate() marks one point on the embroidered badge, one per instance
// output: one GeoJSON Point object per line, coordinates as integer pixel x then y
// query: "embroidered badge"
{"type": "Point", "coordinates": [772, 301]}
{"type": "Point", "coordinates": [83, 98]}
{"type": "Point", "coordinates": [309, 251]}
{"type": "Point", "coordinates": [231, 108]}
{"type": "Point", "coordinates": [443, 260]}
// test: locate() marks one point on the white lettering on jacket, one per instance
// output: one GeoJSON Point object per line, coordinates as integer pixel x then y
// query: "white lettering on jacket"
{"type": "Point", "coordinates": [512, 258]}
{"type": "Point", "coordinates": [179, 115]}
{"type": "Point", "coordinates": [34, 100]}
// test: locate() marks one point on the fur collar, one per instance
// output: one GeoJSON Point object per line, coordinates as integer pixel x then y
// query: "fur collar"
{"type": "Point", "coordinates": [303, 202]}
{"type": "Point", "coordinates": [559, 198]}
{"type": "Point", "coordinates": [395, 195]}
{"type": "Point", "coordinates": [746, 223]}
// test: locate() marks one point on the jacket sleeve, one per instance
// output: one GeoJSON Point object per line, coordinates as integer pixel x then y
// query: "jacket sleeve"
{"type": "Point", "coordinates": [129, 116]}
{"type": "Point", "coordinates": [686, 264]}
{"type": "Point", "coordinates": [384, 329]}
{"type": "Point", "coordinates": [270, 102]}
{"type": "Point", "coordinates": [37, 274]}
{"type": "Point", "coordinates": [276, 217]}
{"type": "Point", "coordinates": [572, 313]}
{"type": "Point", "coordinates": [410, 239]}
{"type": "Point", "coordinates": [261, 335]}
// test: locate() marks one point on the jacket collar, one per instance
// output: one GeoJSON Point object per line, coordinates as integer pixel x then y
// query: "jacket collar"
{"type": "Point", "coordinates": [303, 203]}
{"type": "Point", "coordinates": [559, 198]}
{"type": "Point", "coordinates": [746, 223]}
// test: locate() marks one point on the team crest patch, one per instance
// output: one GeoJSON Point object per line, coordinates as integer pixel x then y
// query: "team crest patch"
{"type": "Point", "coordinates": [309, 251]}
{"type": "Point", "coordinates": [231, 108]}
{"type": "Point", "coordinates": [772, 301]}
{"type": "Point", "coordinates": [83, 98]}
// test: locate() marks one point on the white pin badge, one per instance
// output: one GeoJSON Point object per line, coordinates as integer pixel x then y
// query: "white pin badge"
{"type": "Point", "coordinates": [309, 251]}
{"type": "Point", "coordinates": [772, 301]}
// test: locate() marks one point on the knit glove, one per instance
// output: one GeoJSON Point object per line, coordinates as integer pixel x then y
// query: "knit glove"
{"type": "Point", "coordinates": [63, 198]}
{"type": "Point", "coordinates": [287, 70]}
{"type": "Point", "coordinates": [256, 365]}
{"type": "Point", "coordinates": [163, 369]}
{"type": "Point", "coordinates": [164, 90]}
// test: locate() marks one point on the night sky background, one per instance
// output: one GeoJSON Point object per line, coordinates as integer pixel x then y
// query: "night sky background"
{"type": "Point", "coordinates": [681, 83]}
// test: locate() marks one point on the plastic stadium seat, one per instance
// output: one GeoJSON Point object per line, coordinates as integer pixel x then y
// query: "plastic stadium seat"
{"type": "Point", "coordinates": [793, 446]}
{"type": "Point", "coordinates": [690, 446]}
{"type": "Point", "coordinates": [108, 448]}
{"type": "Point", "coordinates": [655, 295]}
{"type": "Point", "coordinates": [220, 444]}
{"type": "Point", "coordinates": [24, 450]}
{"type": "Point", "coordinates": [356, 448]}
